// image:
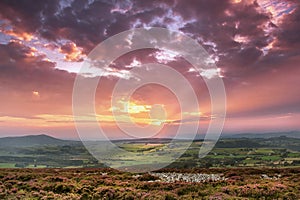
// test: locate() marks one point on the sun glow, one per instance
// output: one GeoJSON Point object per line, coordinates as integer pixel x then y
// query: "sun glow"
{"type": "Point", "coordinates": [140, 113]}
{"type": "Point", "coordinates": [133, 108]}
{"type": "Point", "coordinates": [236, 1]}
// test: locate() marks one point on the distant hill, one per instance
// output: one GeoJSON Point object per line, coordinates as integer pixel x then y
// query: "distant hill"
{"type": "Point", "coordinates": [42, 140]}
{"type": "Point", "coordinates": [33, 140]}
{"type": "Point", "coordinates": [273, 142]}
{"type": "Point", "coordinates": [291, 134]}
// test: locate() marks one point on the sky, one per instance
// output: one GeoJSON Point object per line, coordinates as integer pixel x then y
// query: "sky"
{"type": "Point", "coordinates": [254, 44]}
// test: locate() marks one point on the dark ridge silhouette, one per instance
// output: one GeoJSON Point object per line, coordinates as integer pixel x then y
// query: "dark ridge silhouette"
{"type": "Point", "coordinates": [33, 140]}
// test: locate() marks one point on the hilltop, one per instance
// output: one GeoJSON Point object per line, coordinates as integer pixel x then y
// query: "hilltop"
{"type": "Point", "coordinates": [33, 140]}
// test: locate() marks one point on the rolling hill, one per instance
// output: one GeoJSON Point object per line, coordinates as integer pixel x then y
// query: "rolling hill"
{"type": "Point", "coordinates": [33, 140]}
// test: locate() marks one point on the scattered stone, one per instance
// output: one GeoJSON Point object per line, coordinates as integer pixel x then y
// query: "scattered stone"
{"type": "Point", "coordinates": [275, 177]}
{"type": "Point", "coordinates": [136, 176]}
{"type": "Point", "coordinates": [188, 177]}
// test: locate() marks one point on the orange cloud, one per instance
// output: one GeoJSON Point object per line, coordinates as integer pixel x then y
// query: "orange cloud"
{"type": "Point", "coordinates": [72, 52]}
{"type": "Point", "coordinates": [19, 35]}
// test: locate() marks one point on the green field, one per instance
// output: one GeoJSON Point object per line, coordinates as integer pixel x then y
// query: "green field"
{"type": "Point", "coordinates": [227, 153]}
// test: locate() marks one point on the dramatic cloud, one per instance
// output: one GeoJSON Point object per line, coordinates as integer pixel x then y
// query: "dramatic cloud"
{"type": "Point", "coordinates": [255, 45]}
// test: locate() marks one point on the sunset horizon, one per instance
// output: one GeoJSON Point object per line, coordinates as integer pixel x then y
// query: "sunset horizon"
{"type": "Point", "coordinates": [253, 44]}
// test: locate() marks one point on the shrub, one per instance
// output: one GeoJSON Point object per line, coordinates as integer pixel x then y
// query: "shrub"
{"type": "Point", "coordinates": [147, 177]}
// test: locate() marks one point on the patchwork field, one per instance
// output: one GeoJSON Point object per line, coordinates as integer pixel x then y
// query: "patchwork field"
{"type": "Point", "coordinates": [46, 152]}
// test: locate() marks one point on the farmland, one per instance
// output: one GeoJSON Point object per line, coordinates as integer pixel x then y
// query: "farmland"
{"type": "Point", "coordinates": [233, 152]}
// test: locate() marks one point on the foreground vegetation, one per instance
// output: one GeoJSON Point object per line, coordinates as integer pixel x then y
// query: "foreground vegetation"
{"type": "Point", "coordinates": [244, 183]}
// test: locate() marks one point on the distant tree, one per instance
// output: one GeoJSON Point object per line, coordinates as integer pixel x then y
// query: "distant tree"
{"type": "Point", "coordinates": [20, 165]}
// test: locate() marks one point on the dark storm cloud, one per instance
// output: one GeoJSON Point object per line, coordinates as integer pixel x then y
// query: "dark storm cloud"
{"type": "Point", "coordinates": [221, 25]}
{"type": "Point", "coordinates": [288, 36]}
{"type": "Point", "coordinates": [88, 23]}
{"type": "Point", "coordinates": [27, 15]}
{"type": "Point", "coordinates": [220, 20]}
{"type": "Point", "coordinates": [190, 9]}
{"type": "Point", "coordinates": [82, 23]}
